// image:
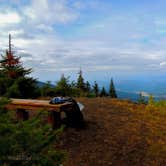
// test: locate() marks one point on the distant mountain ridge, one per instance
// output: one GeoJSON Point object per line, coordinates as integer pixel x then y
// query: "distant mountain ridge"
{"type": "Point", "coordinates": [131, 89]}
{"type": "Point", "coordinates": [40, 84]}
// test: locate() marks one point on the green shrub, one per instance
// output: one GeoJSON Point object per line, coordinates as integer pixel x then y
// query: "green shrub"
{"type": "Point", "coordinates": [151, 100]}
{"type": "Point", "coordinates": [141, 99]}
{"type": "Point", "coordinates": [27, 142]}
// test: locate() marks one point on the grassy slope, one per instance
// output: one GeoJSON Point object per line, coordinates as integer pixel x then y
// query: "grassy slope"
{"type": "Point", "coordinates": [118, 133]}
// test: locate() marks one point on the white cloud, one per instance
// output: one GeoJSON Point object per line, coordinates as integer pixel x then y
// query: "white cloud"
{"type": "Point", "coordinates": [9, 18]}
{"type": "Point", "coordinates": [163, 64]}
{"type": "Point", "coordinates": [16, 32]}
{"type": "Point", "coordinates": [154, 56]}
{"type": "Point", "coordinates": [50, 12]}
{"type": "Point", "coordinates": [44, 27]}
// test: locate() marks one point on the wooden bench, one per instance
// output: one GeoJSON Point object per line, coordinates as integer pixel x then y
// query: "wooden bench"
{"type": "Point", "coordinates": [23, 105]}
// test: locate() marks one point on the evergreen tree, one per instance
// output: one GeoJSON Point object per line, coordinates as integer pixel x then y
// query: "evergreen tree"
{"type": "Point", "coordinates": [47, 90]}
{"type": "Point", "coordinates": [103, 92]}
{"type": "Point", "coordinates": [63, 87]}
{"type": "Point", "coordinates": [88, 87]}
{"type": "Point", "coordinates": [75, 92]}
{"type": "Point", "coordinates": [80, 81]}
{"type": "Point", "coordinates": [112, 91]}
{"type": "Point", "coordinates": [96, 89]}
{"type": "Point", "coordinates": [14, 81]}
{"type": "Point", "coordinates": [11, 65]}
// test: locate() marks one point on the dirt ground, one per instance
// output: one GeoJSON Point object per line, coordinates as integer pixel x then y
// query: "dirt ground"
{"type": "Point", "coordinates": [117, 133]}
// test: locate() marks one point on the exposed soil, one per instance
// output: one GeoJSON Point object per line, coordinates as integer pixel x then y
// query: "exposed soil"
{"type": "Point", "coordinates": [117, 133]}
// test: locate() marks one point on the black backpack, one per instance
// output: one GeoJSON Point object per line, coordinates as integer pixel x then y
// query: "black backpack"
{"type": "Point", "coordinates": [74, 117]}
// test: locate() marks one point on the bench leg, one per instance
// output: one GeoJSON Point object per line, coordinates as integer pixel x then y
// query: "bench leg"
{"type": "Point", "coordinates": [22, 114]}
{"type": "Point", "coordinates": [54, 118]}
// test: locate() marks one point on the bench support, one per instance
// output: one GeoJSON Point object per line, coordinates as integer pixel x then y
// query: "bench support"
{"type": "Point", "coordinates": [22, 114]}
{"type": "Point", "coordinates": [54, 118]}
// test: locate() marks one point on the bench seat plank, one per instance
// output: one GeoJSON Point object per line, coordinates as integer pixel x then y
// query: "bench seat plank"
{"type": "Point", "coordinates": [29, 104]}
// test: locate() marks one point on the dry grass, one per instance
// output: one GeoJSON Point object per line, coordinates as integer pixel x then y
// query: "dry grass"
{"type": "Point", "coordinates": [118, 133]}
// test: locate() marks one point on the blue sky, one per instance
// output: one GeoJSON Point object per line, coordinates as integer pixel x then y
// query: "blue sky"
{"type": "Point", "coordinates": [105, 38]}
